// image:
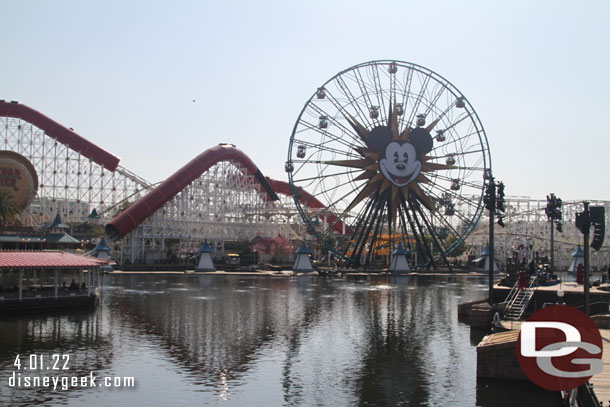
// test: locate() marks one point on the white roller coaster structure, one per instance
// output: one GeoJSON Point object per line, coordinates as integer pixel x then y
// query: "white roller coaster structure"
{"type": "Point", "coordinates": [229, 200]}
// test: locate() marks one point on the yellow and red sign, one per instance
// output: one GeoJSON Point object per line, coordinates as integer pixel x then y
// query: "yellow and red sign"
{"type": "Point", "coordinates": [18, 177]}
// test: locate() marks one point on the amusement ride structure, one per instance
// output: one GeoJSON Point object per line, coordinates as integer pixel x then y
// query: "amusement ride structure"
{"type": "Point", "coordinates": [385, 154]}
{"type": "Point", "coordinates": [396, 152]}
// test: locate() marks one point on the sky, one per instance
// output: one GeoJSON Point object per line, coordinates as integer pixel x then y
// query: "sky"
{"type": "Point", "coordinates": [158, 82]}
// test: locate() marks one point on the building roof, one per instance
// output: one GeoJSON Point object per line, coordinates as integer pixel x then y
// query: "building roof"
{"type": "Point", "coordinates": [61, 238]}
{"type": "Point", "coordinates": [58, 224]}
{"type": "Point", "coordinates": [20, 239]}
{"type": "Point", "coordinates": [303, 250]}
{"type": "Point", "coordinates": [48, 238]}
{"type": "Point", "coordinates": [46, 260]}
{"type": "Point", "coordinates": [400, 251]}
{"type": "Point", "coordinates": [102, 246]}
{"type": "Point", "coordinates": [205, 248]}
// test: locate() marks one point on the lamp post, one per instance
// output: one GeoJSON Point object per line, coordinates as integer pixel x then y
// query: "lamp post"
{"type": "Point", "coordinates": [490, 204]}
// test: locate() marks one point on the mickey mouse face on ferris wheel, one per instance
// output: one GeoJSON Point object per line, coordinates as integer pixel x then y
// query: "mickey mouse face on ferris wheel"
{"type": "Point", "coordinates": [400, 160]}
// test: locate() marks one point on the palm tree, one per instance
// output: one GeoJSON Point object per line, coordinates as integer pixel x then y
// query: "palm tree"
{"type": "Point", "coordinates": [9, 211]}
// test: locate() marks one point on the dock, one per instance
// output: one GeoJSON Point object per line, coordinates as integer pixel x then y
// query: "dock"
{"type": "Point", "coordinates": [601, 382]}
{"type": "Point", "coordinates": [497, 357]}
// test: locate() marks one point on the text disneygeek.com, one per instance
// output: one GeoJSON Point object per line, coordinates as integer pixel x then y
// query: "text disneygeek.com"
{"type": "Point", "coordinates": [21, 381]}
{"type": "Point", "coordinates": [26, 365]}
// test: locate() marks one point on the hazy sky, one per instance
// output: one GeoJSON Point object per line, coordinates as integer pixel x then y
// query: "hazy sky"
{"type": "Point", "coordinates": [124, 75]}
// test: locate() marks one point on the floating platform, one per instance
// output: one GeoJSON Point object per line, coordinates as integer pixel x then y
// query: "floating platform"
{"type": "Point", "coordinates": [497, 357]}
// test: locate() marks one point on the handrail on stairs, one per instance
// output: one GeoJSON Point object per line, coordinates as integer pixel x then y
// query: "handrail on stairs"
{"type": "Point", "coordinates": [514, 294]}
{"type": "Point", "coordinates": [510, 298]}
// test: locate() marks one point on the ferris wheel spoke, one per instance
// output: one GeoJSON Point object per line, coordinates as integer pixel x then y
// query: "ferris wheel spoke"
{"type": "Point", "coordinates": [433, 233]}
{"type": "Point", "coordinates": [446, 224]}
{"type": "Point", "coordinates": [332, 120]}
{"type": "Point", "coordinates": [375, 236]}
{"type": "Point", "coordinates": [323, 147]}
{"type": "Point", "coordinates": [408, 77]}
{"type": "Point", "coordinates": [366, 95]}
{"type": "Point", "coordinates": [297, 180]}
{"type": "Point", "coordinates": [436, 215]}
{"type": "Point", "coordinates": [435, 99]}
{"type": "Point", "coordinates": [418, 231]}
{"type": "Point", "coordinates": [458, 121]}
{"type": "Point", "coordinates": [404, 236]}
{"type": "Point", "coordinates": [433, 124]}
{"type": "Point", "coordinates": [343, 214]}
{"type": "Point", "coordinates": [379, 203]}
{"type": "Point", "coordinates": [457, 167]}
{"type": "Point", "coordinates": [355, 126]}
{"type": "Point", "coordinates": [463, 153]}
{"type": "Point", "coordinates": [352, 100]}
{"type": "Point", "coordinates": [404, 225]}
{"type": "Point", "coordinates": [462, 183]}
{"type": "Point", "coordinates": [324, 133]}
{"type": "Point", "coordinates": [359, 228]}
{"type": "Point", "coordinates": [333, 203]}
{"type": "Point", "coordinates": [456, 213]}
{"type": "Point", "coordinates": [450, 193]}
{"type": "Point", "coordinates": [378, 88]}
{"type": "Point", "coordinates": [419, 98]}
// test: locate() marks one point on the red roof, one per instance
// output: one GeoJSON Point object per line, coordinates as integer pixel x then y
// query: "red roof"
{"type": "Point", "coordinates": [46, 259]}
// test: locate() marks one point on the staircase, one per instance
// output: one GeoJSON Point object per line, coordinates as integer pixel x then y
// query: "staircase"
{"type": "Point", "coordinates": [517, 301]}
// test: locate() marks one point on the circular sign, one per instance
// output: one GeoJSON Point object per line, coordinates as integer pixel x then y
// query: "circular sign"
{"type": "Point", "coordinates": [560, 348]}
{"type": "Point", "coordinates": [18, 177]}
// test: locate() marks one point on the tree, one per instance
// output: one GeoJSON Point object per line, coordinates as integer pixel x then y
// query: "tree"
{"type": "Point", "coordinates": [9, 211]}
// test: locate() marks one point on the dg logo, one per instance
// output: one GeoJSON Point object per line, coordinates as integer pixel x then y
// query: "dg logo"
{"type": "Point", "coordinates": [560, 348]}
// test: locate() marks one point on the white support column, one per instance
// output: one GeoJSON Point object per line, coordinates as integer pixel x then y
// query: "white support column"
{"type": "Point", "coordinates": [89, 282]}
{"type": "Point", "coordinates": [55, 281]}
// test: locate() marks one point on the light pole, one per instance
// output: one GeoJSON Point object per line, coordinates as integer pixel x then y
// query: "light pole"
{"type": "Point", "coordinates": [493, 202]}
{"type": "Point", "coordinates": [554, 215]}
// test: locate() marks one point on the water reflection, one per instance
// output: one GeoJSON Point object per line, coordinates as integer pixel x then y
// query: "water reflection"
{"type": "Point", "coordinates": [241, 340]}
{"type": "Point", "coordinates": [78, 334]}
{"type": "Point", "coordinates": [379, 341]}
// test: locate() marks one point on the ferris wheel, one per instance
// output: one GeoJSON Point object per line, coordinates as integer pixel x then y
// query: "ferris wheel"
{"type": "Point", "coordinates": [388, 153]}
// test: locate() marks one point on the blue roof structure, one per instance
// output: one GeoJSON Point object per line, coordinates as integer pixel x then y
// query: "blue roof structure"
{"type": "Point", "coordinates": [102, 247]}
{"type": "Point", "coordinates": [399, 251]}
{"type": "Point", "coordinates": [303, 250]}
{"type": "Point", "coordinates": [57, 224]}
{"type": "Point", "coordinates": [205, 248]}
{"type": "Point", "coordinates": [578, 253]}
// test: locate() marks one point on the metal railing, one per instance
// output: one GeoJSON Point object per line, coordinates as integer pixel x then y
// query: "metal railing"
{"type": "Point", "coordinates": [519, 300]}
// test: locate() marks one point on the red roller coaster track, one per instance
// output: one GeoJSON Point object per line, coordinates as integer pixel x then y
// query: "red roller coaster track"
{"type": "Point", "coordinates": [146, 206]}
{"type": "Point", "coordinates": [60, 133]}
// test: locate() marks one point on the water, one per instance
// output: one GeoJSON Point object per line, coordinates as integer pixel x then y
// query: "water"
{"type": "Point", "coordinates": [237, 341]}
